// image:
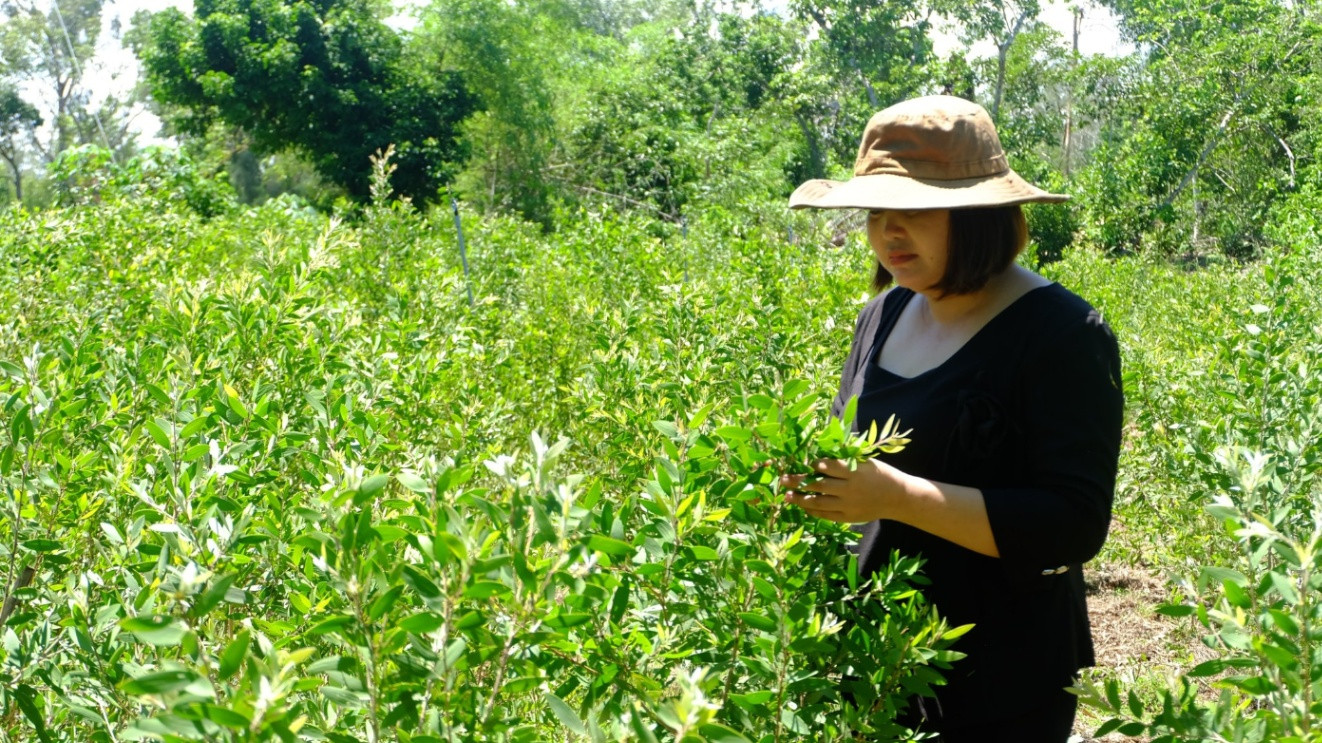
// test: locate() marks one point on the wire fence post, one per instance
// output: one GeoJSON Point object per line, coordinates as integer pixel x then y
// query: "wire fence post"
{"type": "Point", "coordinates": [463, 251]}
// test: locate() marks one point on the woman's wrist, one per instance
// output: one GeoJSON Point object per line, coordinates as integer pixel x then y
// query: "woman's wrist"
{"type": "Point", "coordinates": [954, 512]}
{"type": "Point", "coordinates": [907, 497]}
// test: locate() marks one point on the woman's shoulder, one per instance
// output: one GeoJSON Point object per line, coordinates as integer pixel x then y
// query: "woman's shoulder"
{"type": "Point", "coordinates": [1058, 323]}
{"type": "Point", "coordinates": [892, 299]}
{"type": "Point", "coordinates": [1057, 308]}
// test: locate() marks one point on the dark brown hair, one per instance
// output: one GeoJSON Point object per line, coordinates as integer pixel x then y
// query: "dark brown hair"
{"type": "Point", "coordinates": [983, 242]}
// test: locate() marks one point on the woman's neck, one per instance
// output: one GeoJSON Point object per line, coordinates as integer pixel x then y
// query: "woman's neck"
{"type": "Point", "coordinates": [954, 310]}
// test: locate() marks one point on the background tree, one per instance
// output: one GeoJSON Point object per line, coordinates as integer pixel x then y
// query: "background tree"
{"type": "Point", "coordinates": [49, 47]}
{"type": "Point", "coordinates": [506, 54]}
{"type": "Point", "coordinates": [867, 55]}
{"type": "Point", "coordinates": [1207, 133]}
{"type": "Point", "coordinates": [1034, 76]}
{"type": "Point", "coordinates": [1001, 22]}
{"type": "Point", "coordinates": [18, 122]}
{"type": "Point", "coordinates": [326, 78]}
{"type": "Point", "coordinates": [694, 108]}
{"type": "Point", "coordinates": [1183, 146]}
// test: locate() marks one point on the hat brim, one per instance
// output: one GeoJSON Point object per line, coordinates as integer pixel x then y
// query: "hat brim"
{"type": "Point", "coordinates": [888, 191]}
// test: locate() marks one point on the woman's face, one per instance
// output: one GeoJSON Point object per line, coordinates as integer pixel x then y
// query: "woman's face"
{"type": "Point", "coordinates": [912, 245]}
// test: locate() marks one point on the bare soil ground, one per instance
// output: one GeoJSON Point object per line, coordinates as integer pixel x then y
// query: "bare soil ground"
{"type": "Point", "coordinates": [1126, 628]}
{"type": "Point", "coordinates": [1131, 639]}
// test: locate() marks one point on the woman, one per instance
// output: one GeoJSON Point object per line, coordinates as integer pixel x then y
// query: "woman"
{"type": "Point", "coordinates": [1011, 385]}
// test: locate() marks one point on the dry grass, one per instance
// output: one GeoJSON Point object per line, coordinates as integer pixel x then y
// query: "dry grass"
{"type": "Point", "coordinates": [1133, 641]}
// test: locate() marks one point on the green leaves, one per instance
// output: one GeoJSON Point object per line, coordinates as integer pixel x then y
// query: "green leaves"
{"type": "Point", "coordinates": [609, 545]}
{"type": "Point", "coordinates": [370, 488]}
{"type": "Point", "coordinates": [413, 482]}
{"type": "Point", "coordinates": [422, 623]}
{"type": "Point", "coordinates": [264, 508]}
{"type": "Point", "coordinates": [217, 591]}
{"type": "Point", "coordinates": [1240, 459]}
{"type": "Point", "coordinates": [25, 695]}
{"type": "Point", "coordinates": [158, 434]}
{"type": "Point", "coordinates": [155, 630]}
{"type": "Point", "coordinates": [41, 545]}
{"type": "Point", "coordinates": [231, 658]}
{"type": "Point", "coordinates": [163, 682]}
{"type": "Point", "coordinates": [565, 714]}
{"type": "Point", "coordinates": [758, 621]}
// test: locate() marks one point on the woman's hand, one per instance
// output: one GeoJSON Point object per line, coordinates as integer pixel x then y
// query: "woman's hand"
{"type": "Point", "coordinates": [837, 493]}
{"type": "Point", "coordinates": [876, 490]}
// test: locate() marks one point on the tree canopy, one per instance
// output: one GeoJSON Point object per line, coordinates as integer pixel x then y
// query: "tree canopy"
{"type": "Point", "coordinates": [325, 77]}
{"type": "Point", "coordinates": [1194, 142]}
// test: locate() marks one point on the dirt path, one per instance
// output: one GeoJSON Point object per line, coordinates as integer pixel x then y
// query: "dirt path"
{"type": "Point", "coordinates": [1131, 639]}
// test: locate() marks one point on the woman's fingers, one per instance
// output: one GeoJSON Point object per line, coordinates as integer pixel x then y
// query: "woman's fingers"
{"type": "Point", "coordinates": [821, 506]}
{"type": "Point", "coordinates": [833, 468]}
{"type": "Point", "coordinates": [805, 484]}
{"type": "Point", "coordinates": [830, 477]}
{"type": "Point", "coordinates": [840, 493]}
{"type": "Point", "coordinates": [795, 482]}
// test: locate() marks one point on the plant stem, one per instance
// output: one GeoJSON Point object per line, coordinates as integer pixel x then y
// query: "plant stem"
{"type": "Point", "coordinates": [734, 656]}
{"type": "Point", "coordinates": [500, 675]}
{"type": "Point", "coordinates": [368, 654]}
{"type": "Point", "coordinates": [1306, 640]}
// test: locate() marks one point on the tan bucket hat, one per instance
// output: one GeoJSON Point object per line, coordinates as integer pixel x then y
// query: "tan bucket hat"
{"type": "Point", "coordinates": [936, 152]}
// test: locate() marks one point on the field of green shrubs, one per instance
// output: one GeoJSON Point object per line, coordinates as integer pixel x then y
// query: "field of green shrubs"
{"type": "Point", "coordinates": [271, 476]}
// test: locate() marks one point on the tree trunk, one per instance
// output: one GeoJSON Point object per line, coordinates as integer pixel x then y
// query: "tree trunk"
{"type": "Point", "coordinates": [1221, 129]}
{"type": "Point", "coordinates": [1003, 50]}
{"type": "Point", "coordinates": [872, 93]}
{"type": "Point", "coordinates": [12, 159]}
{"type": "Point", "coordinates": [814, 148]}
{"type": "Point", "coordinates": [1193, 240]}
{"type": "Point", "coordinates": [64, 90]}
{"type": "Point", "coordinates": [1069, 98]}
{"type": "Point", "coordinates": [1207, 150]}
{"type": "Point", "coordinates": [11, 601]}
{"type": "Point", "coordinates": [853, 62]}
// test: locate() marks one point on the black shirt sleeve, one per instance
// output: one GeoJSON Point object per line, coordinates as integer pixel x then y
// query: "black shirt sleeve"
{"type": "Point", "coordinates": [1073, 407]}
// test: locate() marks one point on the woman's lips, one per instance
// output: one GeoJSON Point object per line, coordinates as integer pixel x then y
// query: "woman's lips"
{"type": "Point", "coordinates": [899, 259]}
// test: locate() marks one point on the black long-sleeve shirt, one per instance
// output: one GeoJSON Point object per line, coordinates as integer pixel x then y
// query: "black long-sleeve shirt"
{"type": "Point", "coordinates": [1029, 411]}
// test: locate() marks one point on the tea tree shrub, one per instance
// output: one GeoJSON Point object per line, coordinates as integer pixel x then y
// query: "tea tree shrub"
{"type": "Point", "coordinates": [90, 174]}
{"type": "Point", "coordinates": [269, 476]}
{"type": "Point", "coordinates": [1252, 466]}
